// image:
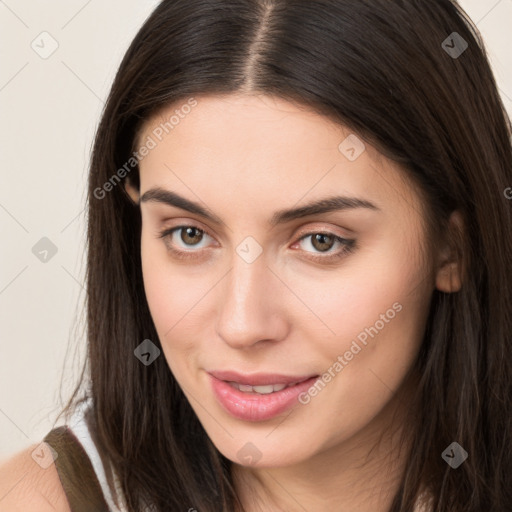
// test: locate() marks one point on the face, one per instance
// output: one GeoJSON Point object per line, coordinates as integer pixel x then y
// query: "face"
{"type": "Point", "coordinates": [331, 302]}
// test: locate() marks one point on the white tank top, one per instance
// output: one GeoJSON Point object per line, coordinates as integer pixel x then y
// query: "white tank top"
{"type": "Point", "coordinates": [78, 425]}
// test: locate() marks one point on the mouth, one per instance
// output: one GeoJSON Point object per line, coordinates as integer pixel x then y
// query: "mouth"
{"type": "Point", "coordinates": [261, 390]}
{"type": "Point", "coordinates": [258, 397]}
{"type": "Point", "coordinates": [259, 379]}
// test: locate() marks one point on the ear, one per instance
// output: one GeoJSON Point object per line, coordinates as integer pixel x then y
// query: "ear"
{"type": "Point", "coordinates": [131, 190]}
{"type": "Point", "coordinates": [449, 271]}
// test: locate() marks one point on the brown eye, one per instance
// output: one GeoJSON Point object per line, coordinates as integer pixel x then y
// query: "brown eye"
{"type": "Point", "coordinates": [191, 235]}
{"type": "Point", "coordinates": [322, 241]}
{"type": "Point", "coordinates": [187, 242]}
{"type": "Point", "coordinates": [320, 245]}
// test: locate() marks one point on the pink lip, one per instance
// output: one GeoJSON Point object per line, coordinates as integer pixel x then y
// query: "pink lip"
{"type": "Point", "coordinates": [256, 407]}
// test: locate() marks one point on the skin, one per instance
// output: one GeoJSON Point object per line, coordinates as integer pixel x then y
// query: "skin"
{"type": "Point", "coordinates": [245, 157]}
{"type": "Point", "coordinates": [26, 486]}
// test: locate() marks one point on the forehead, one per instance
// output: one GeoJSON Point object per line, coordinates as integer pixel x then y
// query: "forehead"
{"type": "Point", "coordinates": [256, 124]}
{"type": "Point", "coordinates": [255, 146]}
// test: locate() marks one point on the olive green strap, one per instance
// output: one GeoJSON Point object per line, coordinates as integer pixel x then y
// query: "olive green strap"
{"type": "Point", "coordinates": [76, 472]}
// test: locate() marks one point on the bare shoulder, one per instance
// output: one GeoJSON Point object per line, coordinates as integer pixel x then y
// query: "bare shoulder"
{"type": "Point", "coordinates": [29, 482]}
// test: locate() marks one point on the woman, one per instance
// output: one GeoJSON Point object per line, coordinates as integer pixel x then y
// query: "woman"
{"type": "Point", "coordinates": [299, 293]}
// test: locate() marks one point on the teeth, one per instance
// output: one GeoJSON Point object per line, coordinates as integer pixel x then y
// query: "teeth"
{"type": "Point", "coordinates": [262, 390]}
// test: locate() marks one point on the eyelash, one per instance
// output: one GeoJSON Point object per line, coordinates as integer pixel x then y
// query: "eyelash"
{"type": "Point", "coordinates": [348, 244]}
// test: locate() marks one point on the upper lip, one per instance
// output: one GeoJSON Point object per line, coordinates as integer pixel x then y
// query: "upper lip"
{"type": "Point", "coordinates": [259, 379]}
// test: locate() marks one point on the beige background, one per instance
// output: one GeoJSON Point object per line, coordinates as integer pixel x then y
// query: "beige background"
{"type": "Point", "coordinates": [50, 108]}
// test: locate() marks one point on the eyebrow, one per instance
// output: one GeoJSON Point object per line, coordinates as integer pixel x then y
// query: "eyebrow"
{"type": "Point", "coordinates": [325, 205]}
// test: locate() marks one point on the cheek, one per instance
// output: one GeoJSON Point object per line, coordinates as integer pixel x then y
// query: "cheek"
{"type": "Point", "coordinates": [376, 312]}
{"type": "Point", "coordinates": [166, 307]}
{"type": "Point", "coordinates": [175, 300]}
{"type": "Point", "coordinates": [366, 292]}
{"type": "Point", "coordinates": [368, 359]}
{"type": "Point", "coordinates": [164, 292]}
{"type": "Point", "coordinates": [379, 335]}
{"type": "Point", "coordinates": [159, 296]}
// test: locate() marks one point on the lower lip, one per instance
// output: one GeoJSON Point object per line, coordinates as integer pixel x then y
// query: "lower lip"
{"type": "Point", "coordinates": [254, 407]}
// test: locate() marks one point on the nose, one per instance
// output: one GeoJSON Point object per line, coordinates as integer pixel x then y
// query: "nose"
{"type": "Point", "coordinates": [251, 305]}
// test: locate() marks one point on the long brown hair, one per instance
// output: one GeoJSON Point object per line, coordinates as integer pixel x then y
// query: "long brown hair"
{"type": "Point", "coordinates": [410, 77]}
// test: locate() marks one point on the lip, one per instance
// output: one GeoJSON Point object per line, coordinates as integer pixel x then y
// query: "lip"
{"type": "Point", "coordinates": [256, 407]}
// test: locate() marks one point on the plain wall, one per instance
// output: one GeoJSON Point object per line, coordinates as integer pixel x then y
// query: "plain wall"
{"type": "Point", "coordinates": [50, 108]}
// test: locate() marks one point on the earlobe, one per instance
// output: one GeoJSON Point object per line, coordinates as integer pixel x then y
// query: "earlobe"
{"type": "Point", "coordinates": [448, 278]}
{"type": "Point", "coordinates": [131, 191]}
{"type": "Point", "coordinates": [449, 275]}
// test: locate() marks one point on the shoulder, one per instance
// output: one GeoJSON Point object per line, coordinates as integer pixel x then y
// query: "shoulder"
{"type": "Point", "coordinates": [28, 486]}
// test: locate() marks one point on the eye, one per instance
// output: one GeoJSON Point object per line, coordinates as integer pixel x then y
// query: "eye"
{"type": "Point", "coordinates": [324, 241]}
{"type": "Point", "coordinates": [189, 237]}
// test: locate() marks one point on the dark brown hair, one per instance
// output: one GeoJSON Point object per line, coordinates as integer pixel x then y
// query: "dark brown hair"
{"type": "Point", "coordinates": [381, 68]}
